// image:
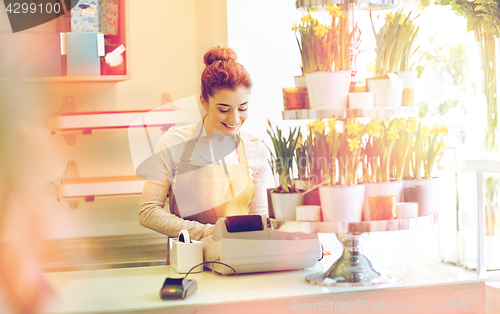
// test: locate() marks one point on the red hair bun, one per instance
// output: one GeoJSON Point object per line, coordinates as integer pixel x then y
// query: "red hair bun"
{"type": "Point", "coordinates": [222, 72]}
{"type": "Point", "coordinates": [219, 54]}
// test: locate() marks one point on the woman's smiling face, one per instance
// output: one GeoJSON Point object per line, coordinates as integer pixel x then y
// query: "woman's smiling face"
{"type": "Point", "coordinates": [227, 110]}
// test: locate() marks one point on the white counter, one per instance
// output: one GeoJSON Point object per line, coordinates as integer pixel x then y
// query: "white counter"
{"type": "Point", "coordinates": [136, 290]}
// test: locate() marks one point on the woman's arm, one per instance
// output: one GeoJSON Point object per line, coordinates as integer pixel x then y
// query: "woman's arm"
{"type": "Point", "coordinates": [154, 211]}
{"type": "Point", "coordinates": [155, 215]}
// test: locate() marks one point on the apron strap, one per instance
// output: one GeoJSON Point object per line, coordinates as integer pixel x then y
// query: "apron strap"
{"type": "Point", "coordinates": [188, 149]}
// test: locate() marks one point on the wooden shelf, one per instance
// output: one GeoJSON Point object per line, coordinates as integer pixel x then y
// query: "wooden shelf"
{"type": "Point", "coordinates": [88, 121]}
{"type": "Point", "coordinates": [68, 121]}
{"type": "Point", "coordinates": [73, 188]}
{"type": "Point", "coordinates": [343, 113]}
{"type": "Point", "coordinates": [68, 79]}
{"type": "Point", "coordinates": [99, 186]}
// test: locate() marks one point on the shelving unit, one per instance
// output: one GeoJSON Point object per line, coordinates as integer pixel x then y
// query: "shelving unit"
{"type": "Point", "coordinates": [343, 113]}
{"type": "Point", "coordinates": [122, 38]}
{"type": "Point", "coordinates": [73, 188]}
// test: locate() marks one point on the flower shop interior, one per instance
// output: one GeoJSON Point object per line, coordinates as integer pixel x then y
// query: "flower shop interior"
{"type": "Point", "coordinates": [398, 98]}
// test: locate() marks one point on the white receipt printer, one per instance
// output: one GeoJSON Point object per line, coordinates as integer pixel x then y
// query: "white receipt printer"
{"type": "Point", "coordinates": [247, 244]}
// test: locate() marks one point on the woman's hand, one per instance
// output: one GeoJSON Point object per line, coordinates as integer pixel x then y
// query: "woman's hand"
{"type": "Point", "coordinates": [210, 231]}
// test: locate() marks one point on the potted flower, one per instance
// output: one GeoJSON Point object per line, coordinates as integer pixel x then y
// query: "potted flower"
{"type": "Point", "coordinates": [341, 195]}
{"type": "Point", "coordinates": [285, 197]}
{"type": "Point", "coordinates": [303, 161]}
{"type": "Point", "coordinates": [380, 156]}
{"type": "Point", "coordinates": [421, 186]}
{"type": "Point", "coordinates": [394, 42]}
{"type": "Point", "coordinates": [324, 50]}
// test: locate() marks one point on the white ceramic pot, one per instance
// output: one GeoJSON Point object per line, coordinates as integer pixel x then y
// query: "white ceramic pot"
{"type": "Point", "coordinates": [425, 194]}
{"type": "Point", "coordinates": [300, 81]}
{"type": "Point", "coordinates": [381, 188]}
{"type": "Point", "coordinates": [387, 92]}
{"type": "Point", "coordinates": [361, 100]}
{"type": "Point", "coordinates": [342, 203]}
{"type": "Point", "coordinates": [328, 90]}
{"type": "Point", "coordinates": [409, 87]}
{"type": "Point", "coordinates": [284, 204]}
{"type": "Point", "coordinates": [406, 210]}
{"type": "Point", "coordinates": [308, 213]}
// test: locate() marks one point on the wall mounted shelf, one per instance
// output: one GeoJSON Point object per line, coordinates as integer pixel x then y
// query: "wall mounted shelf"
{"type": "Point", "coordinates": [69, 122]}
{"type": "Point", "coordinates": [343, 113]}
{"type": "Point", "coordinates": [72, 188]}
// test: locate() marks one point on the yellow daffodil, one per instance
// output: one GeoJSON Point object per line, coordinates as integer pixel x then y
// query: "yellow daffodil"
{"type": "Point", "coordinates": [298, 144]}
{"type": "Point", "coordinates": [306, 18]}
{"type": "Point", "coordinates": [392, 133]}
{"type": "Point", "coordinates": [411, 126]}
{"type": "Point", "coordinates": [333, 9]}
{"type": "Point", "coordinates": [389, 17]}
{"type": "Point", "coordinates": [331, 124]}
{"type": "Point", "coordinates": [399, 122]}
{"type": "Point", "coordinates": [295, 27]}
{"type": "Point", "coordinates": [314, 9]}
{"type": "Point", "coordinates": [374, 127]}
{"type": "Point", "coordinates": [353, 128]}
{"type": "Point", "coordinates": [438, 129]}
{"type": "Point", "coordinates": [424, 132]}
{"type": "Point", "coordinates": [318, 126]}
{"type": "Point", "coordinates": [320, 30]}
{"type": "Point", "coordinates": [353, 144]}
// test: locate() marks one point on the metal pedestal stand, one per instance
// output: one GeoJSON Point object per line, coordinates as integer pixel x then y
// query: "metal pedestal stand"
{"type": "Point", "coordinates": [353, 268]}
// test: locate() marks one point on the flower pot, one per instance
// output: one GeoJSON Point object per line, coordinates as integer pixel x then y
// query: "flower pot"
{"type": "Point", "coordinates": [308, 213]}
{"type": "Point", "coordinates": [300, 81]}
{"type": "Point", "coordinates": [361, 100]}
{"type": "Point", "coordinates": [387, 92]}
{"type": "Point", "coordinates": [295, 98]}
{"type": "Point", "coordinates": [410, 81]}
{"type": "Point", "coordinates": [284, 204]}
{"type": "Point", "coordinates": [424, 192]}
{"type": "Point", "coordinates": [328, 90]}
{"type": "Point", "coordinates": [380, 188]}
{"type": "Point", "coordinates": [342, 203]}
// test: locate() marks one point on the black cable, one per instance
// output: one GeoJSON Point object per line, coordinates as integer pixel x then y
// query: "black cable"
{"type": "Point", "coordinates": [211, 262]}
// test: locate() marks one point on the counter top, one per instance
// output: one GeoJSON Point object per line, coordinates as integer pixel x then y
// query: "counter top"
{"type": "Point", "coordinates": [137, 289]}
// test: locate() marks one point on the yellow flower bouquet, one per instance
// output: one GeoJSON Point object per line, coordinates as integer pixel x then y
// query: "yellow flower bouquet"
{"type": "Point", "coordinates": [427, 149]}
{"type": "Point", "coordinates": [394, 41]}
{"type": "Point", "coordinates": [325, 45]}
{"type": "Point", "coordinates": [319, 151]}
{"type": "Point", "coordinates": [281, 161]}
{"type": "Point", "coordinates": [379, 143]}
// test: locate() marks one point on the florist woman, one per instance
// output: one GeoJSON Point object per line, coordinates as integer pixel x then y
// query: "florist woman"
{"type": "Point", "coordinates": [209, 169]}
